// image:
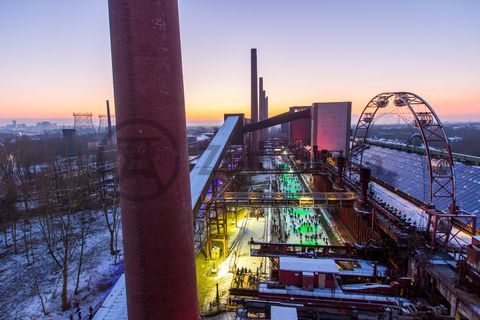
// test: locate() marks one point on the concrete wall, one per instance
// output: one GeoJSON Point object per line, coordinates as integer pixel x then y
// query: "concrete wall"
{"type": "Point", "coordinates": [300, 130]}
{"type": "Point", "coordinates": [331, 126]}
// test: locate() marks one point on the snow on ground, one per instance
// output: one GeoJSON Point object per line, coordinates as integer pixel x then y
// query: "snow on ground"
{"type": "Point", "coordinates": [254, 230]}
{"type": "Point", "coordinates": [304, 225]}
{"type": "Point", "coordinates": [99, 274]}
{"type": "Point", "coordinates": [239, 236]}
{"type": "Point", "coordinates": [333, 293]}
{"type": "Point", "coordinates": [203, 137]}
{"type": "Point", "coordinates": [413, 212]}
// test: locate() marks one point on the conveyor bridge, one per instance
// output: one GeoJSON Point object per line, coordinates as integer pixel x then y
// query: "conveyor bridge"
{"type": "Point", "coordinates": [280, 249]}
{"type": "Point", "coordinates": [202, 174]}
{"type": "Point", "coordinates": [284, 199]}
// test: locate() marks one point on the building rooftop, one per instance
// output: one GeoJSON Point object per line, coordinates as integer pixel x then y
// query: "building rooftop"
{"type": "Point", "coordinates": [308, 265]}
{"type": "Point", "coordinates": [283, 313]}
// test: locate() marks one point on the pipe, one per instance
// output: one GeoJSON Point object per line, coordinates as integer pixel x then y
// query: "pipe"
{"type": "Point", "coordinates": [153, 160]}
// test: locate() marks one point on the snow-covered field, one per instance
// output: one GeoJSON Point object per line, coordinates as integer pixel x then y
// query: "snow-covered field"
{"type": "Point", "coordinates": [20, 300]}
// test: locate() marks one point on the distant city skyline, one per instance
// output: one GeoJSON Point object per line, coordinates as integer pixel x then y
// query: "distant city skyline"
{"type": "Point", "coordinates": [55, 56]}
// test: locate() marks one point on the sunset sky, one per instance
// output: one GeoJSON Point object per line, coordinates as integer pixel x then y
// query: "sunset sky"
{"type": "Point", "coordinates": [55, 55]}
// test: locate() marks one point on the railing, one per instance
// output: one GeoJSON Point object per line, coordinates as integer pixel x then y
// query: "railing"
{"type": "Point", "coordinates": [284, 199]}
{"type": "Point", "coordinates": [330, 196]}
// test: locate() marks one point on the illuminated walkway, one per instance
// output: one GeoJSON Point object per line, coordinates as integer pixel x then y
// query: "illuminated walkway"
{"type": "Point", "coordinates": [291, 225]}
{"type": "Point", "coordinates": [301, 225]}
{"type": "Point", "coordinates": [211, 272]}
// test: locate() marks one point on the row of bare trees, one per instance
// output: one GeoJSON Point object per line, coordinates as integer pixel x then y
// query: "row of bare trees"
{"type": "Point", "coordinates": [54, 207]}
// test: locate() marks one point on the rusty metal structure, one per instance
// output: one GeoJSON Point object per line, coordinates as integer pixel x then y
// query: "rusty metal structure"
{"type": "Point", "coordinates": [442, 181]}
{"type": "Point", "coordinates": [102, 123]}
{"type": "Point", "coordinates": [169, 214]}
{"type": "Point", "coordinates": [437, 151]}
{"type": "Point", "coordinates": [83, 123]}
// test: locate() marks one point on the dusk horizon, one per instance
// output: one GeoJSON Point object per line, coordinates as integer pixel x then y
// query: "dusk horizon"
{"type": "Point", "coordinates": [240, 160]}
{"type": "Point", "coordinates": [305, 55]}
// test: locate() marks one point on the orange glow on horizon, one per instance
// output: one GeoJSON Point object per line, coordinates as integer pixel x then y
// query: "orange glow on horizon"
{"type": "Point", "coordinates": [195, 113]}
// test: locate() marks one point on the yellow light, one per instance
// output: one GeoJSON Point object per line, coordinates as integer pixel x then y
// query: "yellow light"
{"type": "Point", "coordinates": [305, 201]}
{"type": "Point", "coordinates": [253, 195]}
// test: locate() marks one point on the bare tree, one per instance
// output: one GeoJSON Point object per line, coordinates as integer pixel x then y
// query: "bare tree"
{"type": "Point", "coordinates": [3, 194]}
{"type": "Point", "coordinates": [108, 201]}
{"type": "Point", "coordinates": [25, 174]}
{"type": "Point", "coordinates": [115, 208]}
{"type": "Point", "coordinates": [36, 287]}
{"type": "Point", "coordinates": [64, 192]}
{"type": "Point", "coordinates": [9, 198]}
{"type": "Point", "coordinates": [84, 221]}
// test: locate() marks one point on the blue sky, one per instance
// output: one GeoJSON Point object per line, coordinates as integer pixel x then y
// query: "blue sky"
{"type": "Point", "coordinates": [55, 55]}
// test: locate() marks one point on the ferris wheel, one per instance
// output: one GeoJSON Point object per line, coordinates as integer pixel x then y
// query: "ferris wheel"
{"type": "Point", "coordinates": [412, 116]}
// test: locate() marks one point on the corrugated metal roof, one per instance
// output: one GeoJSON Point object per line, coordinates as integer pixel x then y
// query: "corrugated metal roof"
{"type": "Point", "coordinates": [409, 173]}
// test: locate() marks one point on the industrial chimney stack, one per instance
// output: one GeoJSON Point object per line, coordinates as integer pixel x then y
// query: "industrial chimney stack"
{"type": "Point", "coordinates": [254, 100]}
{"type": "Point", "coordinates": [153, 160]}
{"type": "Point", "coordinates": [109, 121]}
{"type": "Point", "coordinates": [261, 102]}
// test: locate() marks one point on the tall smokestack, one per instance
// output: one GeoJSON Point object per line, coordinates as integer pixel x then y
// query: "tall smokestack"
{"type": "Point", "coordinates": [266, 107]}
{"type": "Point", "coordinates": [261, 102]}
{"type": "Point", "coordinates": [152, 160]}
{"type": "Point", "coordinates": [261, 98]}
{"type": "Point", "coordinates": [109, 120]}
{"type": "Point", "coordinates": [254, 98]}
{"type": "Point", "coordinates": [265, 112]}
{"type": "Point", "coordinates": [254, 92]}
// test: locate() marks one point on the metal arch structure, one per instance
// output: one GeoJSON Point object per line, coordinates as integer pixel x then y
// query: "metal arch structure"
{"type": "Point", "coordinates": [440, 165]}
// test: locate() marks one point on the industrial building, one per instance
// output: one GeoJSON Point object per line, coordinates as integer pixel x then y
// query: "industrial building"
{"type": "Point", "coordinates": [263, 226]}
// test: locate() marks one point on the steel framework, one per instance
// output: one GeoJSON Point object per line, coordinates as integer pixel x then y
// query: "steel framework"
{"type": "Point", "coordinates": [283, 199]}
{"type": "Point", "coordinates": [216, 229]}
{"type": "Point", "coordinates": [444, 230]}
{"type": "Point", "coordinates": [440, 164]}
{"type": "Point", "coordinates": [83, 123]}
{"type": "Point", "coordinates": [102, 123]}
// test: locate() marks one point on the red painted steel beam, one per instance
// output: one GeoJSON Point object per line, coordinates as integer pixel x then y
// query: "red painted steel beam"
{"type": "Point", "coordinates": [153, 162]}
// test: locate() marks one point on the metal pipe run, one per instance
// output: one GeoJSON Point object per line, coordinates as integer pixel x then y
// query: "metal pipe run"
{"type": "Point", "coordinates": [153, 160]}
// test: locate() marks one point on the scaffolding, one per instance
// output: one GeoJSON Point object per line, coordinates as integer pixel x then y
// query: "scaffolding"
{"type": "Point", "coordinates": [83, 123]}
{"type": "Point", "coordinates": [217, 233]}
{"type": "Point", "coordinates": [102, 123]}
